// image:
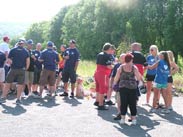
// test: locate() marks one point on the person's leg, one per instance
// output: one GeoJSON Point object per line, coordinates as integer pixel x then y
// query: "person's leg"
{"type": "Point", "coordinates": [165, 97]}
{"type": "Point", "coordinates": [156, 97]}
{"type": "Point", "coordinates": [72, 75]}
{"type": "Point", "coordinates": [65, 77]}
{"type": "Point", "coordinates": [2, 78]}
{"type": "Point", "coordinates": [19, 91]}
{"type": "Point", "coordinates": [148, 94]}
{"type": "Point", "coordinates": [169, 95]}
{"type": "Point", "coordinates": [51, 81]}
{"type": "Point", "coordinates": [132, 103]}
{"type": "Point", "coordinates": [43, 80]}
{"type": "Point", "coordinates": [5, 90]}
{"type": "Point", "coordinates": [109, 92]}
{"type": "Point", "coordinates": [124, 102]}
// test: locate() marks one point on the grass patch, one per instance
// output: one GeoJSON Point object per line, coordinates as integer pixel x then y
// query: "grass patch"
{"type": "Point", "coordinates": [178, 81]}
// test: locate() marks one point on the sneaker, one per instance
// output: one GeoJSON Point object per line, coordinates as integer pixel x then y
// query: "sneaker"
{"type": "Point", "coordinates": [122, 121]}
{"type": "Point", "coordinates": [109, 103]}
{"type": "Point", "coordinates": [166, 111]}
{"type": "Point", "coordinates": [170, 108]}
{"type": "Point", "coordinates": [153, 110]}
{"type": "Point", "coordinates": [72, 95]}
{"type": "Point", "coordinates": [96, 103]}
{"type": "Point", "coordinates": [102, 108]}
{"type": "Point", "coordinates": [18, 102]}
{"type": "Point", "coordinates": [117, 117]}
{"type": "Point", "coordinates": [65, 94]}
{"type": "Point", "coordinates": [2, 100]}
{"type": "Point", "coordinates": [134, 122]}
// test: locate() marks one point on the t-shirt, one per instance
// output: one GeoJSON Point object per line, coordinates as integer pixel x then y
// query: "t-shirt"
{"type": "Point", "coordinates": [18, 56]}
{"type": "Point", "coordinates": [74, 56]}
{"type": "Point", "coordinates": [139, 61]}
{"type": "Point", "coordinates": [162, 73]}
{"type": "Point", "coordinates": [61, 61]}
{"type": "Point", "coordinates": [2, 59]}
{"type": "Point", "coordinates": [103, 60]}
{"type": "Point", "coordinates": [49, 57]}
{"type": "Point", "coordinates": [150, 61]}
{"type": "Point", "coordinates": [31, 66]}
{"type": "Point", "coordinates": [37, 63]}
{"type": "Point", "coordinates": [114, 70]}
{"type": "Point", "coordinates": [4, 47]}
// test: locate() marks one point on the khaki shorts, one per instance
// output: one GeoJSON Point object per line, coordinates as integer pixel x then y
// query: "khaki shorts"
{"type": "Point", "coordinates": [16, 75]}
{"type": "Point", "coordinates": [47, 77]}
{"type": "Point", "coordinates": [29, 77]}
{"type": "Point", "coordinates": [2, 75]}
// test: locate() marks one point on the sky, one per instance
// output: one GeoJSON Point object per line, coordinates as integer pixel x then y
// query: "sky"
{"type": "Point", "coordinates": [31, 10]}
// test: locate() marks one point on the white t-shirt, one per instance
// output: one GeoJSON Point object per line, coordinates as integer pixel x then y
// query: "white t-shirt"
{"type": "Point", "coordinates": [4, 47]}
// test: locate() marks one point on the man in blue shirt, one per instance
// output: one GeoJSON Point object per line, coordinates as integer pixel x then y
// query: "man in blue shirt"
{"type": "Point", "coordinates": [20, 61]}
{"type": "Point", "coordinates": [37, 70]}
{"type": "Point", "coordinates": [49, 58]}
{"type": "Point", "coordinates": [72, 57]}
{"type": "Point", "coordinates": [2, 71]}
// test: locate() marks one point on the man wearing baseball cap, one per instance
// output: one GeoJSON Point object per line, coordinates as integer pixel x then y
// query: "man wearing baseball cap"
{"type": "Point", "coordinates": [49, 58]}
{"type": "Point", "coordinates": [19, 59]}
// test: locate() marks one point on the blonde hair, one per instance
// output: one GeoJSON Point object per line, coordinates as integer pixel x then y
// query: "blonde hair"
{"type": "Point", "coordinates": [155, 48]}
{"type": "Point", "coordinates": [171, 56]}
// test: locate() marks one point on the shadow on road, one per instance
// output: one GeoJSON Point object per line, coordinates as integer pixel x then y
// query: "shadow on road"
{"type": "Point", "coordinates": [73, 101]}
{"type": "Point", "coordinates": [15, 111]}
{"type": "Point", "coordinates": [44, 102]}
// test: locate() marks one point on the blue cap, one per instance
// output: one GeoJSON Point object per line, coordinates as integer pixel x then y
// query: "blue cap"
{"type": "Point", "coordinates": [30, 42]}
{"type": "Point", "coordinates": [50, 44]}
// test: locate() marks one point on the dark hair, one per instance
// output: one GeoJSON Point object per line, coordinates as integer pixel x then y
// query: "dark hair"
{"type": "Point", "coordinates": [106, 46]}
{"type": "Point", "coordinates": [166, 58]}
{"type": "Point", "coordinates": [128, 57]}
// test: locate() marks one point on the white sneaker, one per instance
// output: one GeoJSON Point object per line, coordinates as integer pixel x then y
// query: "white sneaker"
{"type": "Point", "coordinates": [122, 121]}
{"type": "Point", "coordinates": [134, 122]}
{"type": "Point", "coordinates": [166, 111]}
{"type": "Point", "coordinates": [170, 108]}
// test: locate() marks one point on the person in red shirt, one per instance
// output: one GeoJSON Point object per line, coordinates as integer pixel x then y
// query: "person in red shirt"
{"type": "Point", "coordinates": [103, 70]}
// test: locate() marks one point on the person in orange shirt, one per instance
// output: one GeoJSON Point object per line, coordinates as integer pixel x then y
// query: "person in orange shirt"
{"type": "Point", "coordinates": [60, 64]}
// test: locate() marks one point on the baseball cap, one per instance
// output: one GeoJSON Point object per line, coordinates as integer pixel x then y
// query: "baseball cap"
{"type": "Point", "coordinates": [72, 41]}
{"type": "Point", "coordinates": [30, 42]}
{"type": "Point", "coordinates": [50, 44]}
{"type": "Point", "coordinates": [21, 40]}
{"type": "Point", "coordinates": [5, 38]}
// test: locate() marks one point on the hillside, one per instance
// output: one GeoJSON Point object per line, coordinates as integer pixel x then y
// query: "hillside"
{"type": "Point", "coordinates": [12, 29]}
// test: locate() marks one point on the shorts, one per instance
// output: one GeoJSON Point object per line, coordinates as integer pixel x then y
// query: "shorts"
{"type": "Point", "coordinates": [150, 77]}
{"type": "Point", "coordinates": [29, 77]}
{"type": "Point", "coordinates": [66, 75]}
{"type": "Point", "coordinates": [102, 82]}
{"type": "Point", "coordinates": [170, 79]}
{"type": "Point", "coordinates": [17, 75]}
{"type": "Point", "coordinates": [47, 77]}
{"type": "Point", "coordinates": [160, 86]}
{"type": "Point", "coordinates": [2, 75]}
{"type": "Point", "coordinates": [37, 73]}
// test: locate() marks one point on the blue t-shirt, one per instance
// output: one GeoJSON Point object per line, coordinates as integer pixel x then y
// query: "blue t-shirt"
{"type": "Point", "coordinates": [151, 60]}
{"type": "Point", "coordinates": [37, 54]}
{"type": "Point", "coordinates": [114, 70]}
{"type": "Point", "coordinates": [74, 56]}
{"type": "Point", "coordinates": [162, 73]}
{"type": "Point", "coordinates": [49, 57]}
{"type": "Point", "coordinates": [18, 56]}
{"type": "Point", "coordinates": [2, 59]}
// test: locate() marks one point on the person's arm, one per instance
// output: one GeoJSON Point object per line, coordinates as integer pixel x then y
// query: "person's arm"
{"type": "Point", "coordinates": [174, 67]}
{"type": "Point", "coordinates": [155, 65]}
{"type": "Point", "coordinates": [76, 65]}
{"type": "Point", "coordinates": [40, 59]}
{"type": "Point", "coordinates": [27, 63]}
{"type": "Point", "coordinates": [137, 74]}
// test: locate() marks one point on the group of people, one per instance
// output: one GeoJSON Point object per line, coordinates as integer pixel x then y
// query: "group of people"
{"type": "Point", "coordinates": [24, 66]}
{"type": "Point", "coordinates": [126, 75]}
{"type": "Point", "coordinates": [33, 68]}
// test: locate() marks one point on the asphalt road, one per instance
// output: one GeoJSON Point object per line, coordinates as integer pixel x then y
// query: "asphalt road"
{"type": "Point", "coordinates": [66, 117]}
